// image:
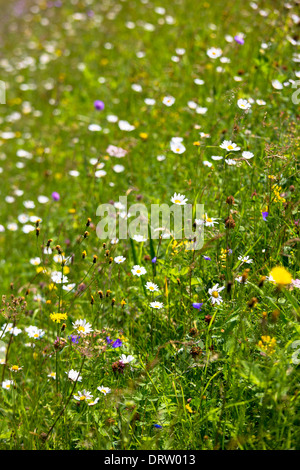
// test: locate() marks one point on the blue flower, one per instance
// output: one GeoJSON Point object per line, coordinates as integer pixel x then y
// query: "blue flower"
{"type": "Point", "coordinates": [265, 215]}
{"type": "Point", "coordinates": [197, 305]}
{"type": "Point", "coordinates": [158, 426]}
{"type": "Point", "coordinates": [74, 338]}
{"type": "Point", "coordinates": [117, 343]}
{"type": "Point", "coordinates": [207, 258]}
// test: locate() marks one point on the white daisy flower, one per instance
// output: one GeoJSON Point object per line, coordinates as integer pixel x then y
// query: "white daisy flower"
{"type": "Point", "coordinates": [151, 286]}
{"type": "Point", "coordinates": [210, 221]}
{"type": "Point", "coordinates": [229, 146]}
{"type": "Point", "coordinates": [118, 168]}
{"type": "Point", "coordinates": [94, 128]}
{"type": "Point", "coordinates": [156, 305]}
{"type": "Point", "coordinates": [149, 101]}
{"type": "Point", "coordinates": [12, 227]}
{"type": "Point", "coordinates": [243, 104]}
{"type": "Point", "coordinates": [7, 384]}
{"type": "Point", "coordinates": [168, 100]}
{"type": "Point", "coordinates": [28, 228]}
{"type": "Point", "coordinates": [177, 147]}
{"type": "Point", "coordinates": [104, 390]}
{"type": "Point", "coordinates": [34, 332]}
{"type": "Point", "coordinates": [247, 155]}
{"type": "Point", "coordinates": [119, 259]}
{"type": "Point", "coordinates": [138, 270]}
{"type": "Point", "coordinates": [125, 126]}
{"type": "Point", "coordinates": [214, 52]}
{"type": "Point", "coordinates": [201, 110]}
{"type": "Point", "coordinates": [214, 293]}
{"type": "Point", "coordinates": [179, 199]}
{"type": "Point", "coordinates": [91, 403]}
{"type": "Point", "coordinates": [245, 259]}
{"type": "Point", "coordinates": [74, 375]}
{"type": "Point", "coordinates": [261, 102]}
{"type": "Point", "coordinates": [229, 161]}
{"type": "Point", "coordinates": [83, 396]}
{"type": "Point", "coordinates": [126, 359]}
{"type": "Point", "coordinates": [277, 85]}
{"type": "Point", "coordinates": [82, 326]}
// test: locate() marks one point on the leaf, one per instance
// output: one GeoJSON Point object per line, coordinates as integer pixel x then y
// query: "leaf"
{"type": "Point", "coordinates": [253, 373]}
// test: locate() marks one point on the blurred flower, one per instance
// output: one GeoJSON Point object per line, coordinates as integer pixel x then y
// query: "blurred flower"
{"type": "Point", "coordinates": [281, 276]}
{"type": "Point", "coordinates": [239, 39]}
{"type": "Point", "coordinates": [55, 196]}
{"type": "Point", "coordinates": [99, 105]}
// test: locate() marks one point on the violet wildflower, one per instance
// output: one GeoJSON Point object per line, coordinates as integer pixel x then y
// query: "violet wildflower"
{"type": "Point", "coordinates": [197, 305]}
{"type": "Point", "coordinates": [55, 196]}
{"type": "Point", "coordinates": [239, 39]}
{"type": "Point", "coordinates": [265, 215]}
{"type": "Point", "coordinates": [154, 260]}
{"type": "Point", "coordinates": [74, 338]}
{"type": "Point", "coordinates": [207, 258]}
{"type": "Point", "coordinates": [158, 426]}
{"type": "Point", "coordinates": [99, 105]}
{"type": "Point", "coordinates": [117, 343]}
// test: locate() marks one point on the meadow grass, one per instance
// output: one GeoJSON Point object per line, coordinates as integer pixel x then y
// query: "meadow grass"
{"type": "Point", "coordinates": [210, 369]}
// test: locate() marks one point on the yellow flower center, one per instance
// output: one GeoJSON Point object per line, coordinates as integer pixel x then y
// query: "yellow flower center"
{"type": "Point", "coordinates": [230, 147]}
{"type": "Point", "coordinates": [81, 328]}
{"type": "Point", "coordinates": [138, 270]}
{"type": "Point", "coordinates": [177, 201]}
{"type": "Point", "coordinates": [82, 398]}
{"type": "Point", "coordinates": [15, 367]}
{"type": "Point", "coordinates": [7, 385]}
{"type": "Point", "coordinates": [215, 294]}
{"type": "Point", "coordinates": [36, 335]}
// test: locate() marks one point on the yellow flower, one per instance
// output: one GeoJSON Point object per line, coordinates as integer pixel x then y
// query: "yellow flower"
{"type": "Point", "coordinates": [188, 408]}
{"type": "Point", "coordinates": [267, 344]}
{"type": "Point", "coordinates": [58, 317]}
{"type": "Point", "coordinates": [144, 135]}
{"type": "Point", "coordinates": [281, 276]}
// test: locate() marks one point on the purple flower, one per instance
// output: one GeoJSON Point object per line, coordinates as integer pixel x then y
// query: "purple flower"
{"type": "Point", "coordinates": [158, 426]}
{"type": "Point", "coordinates": [108, 340]}
{"type": "Point", "coordinates": [117, 343]}
{"type": "Point", "coordinates": [99, 105]}
{"type": "Point", "coordinates": [55, 196]}
{"type": "Point", "coordinates": [197, 305]}
{"type": "Point", "coordinates": [74, 338]}
{"type": "Point", "coordinates": [265, 215]}
{"type": "Point", "coordinates": [154, 259]}
{"type": "Point", "coordinates": [207, 258]}
{"type": "Point", "coordinates": [239, 39]}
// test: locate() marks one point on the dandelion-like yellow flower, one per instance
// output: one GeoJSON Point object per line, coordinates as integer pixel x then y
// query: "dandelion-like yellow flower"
{"type": "Point", "coordinates": [144, 135]}
{"type": "Point", "coordinates": [267, 344]}
{"type": "Point", "coordinates": [281, 276]}
{"type": "Point", "coordinates": [58, 317]}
